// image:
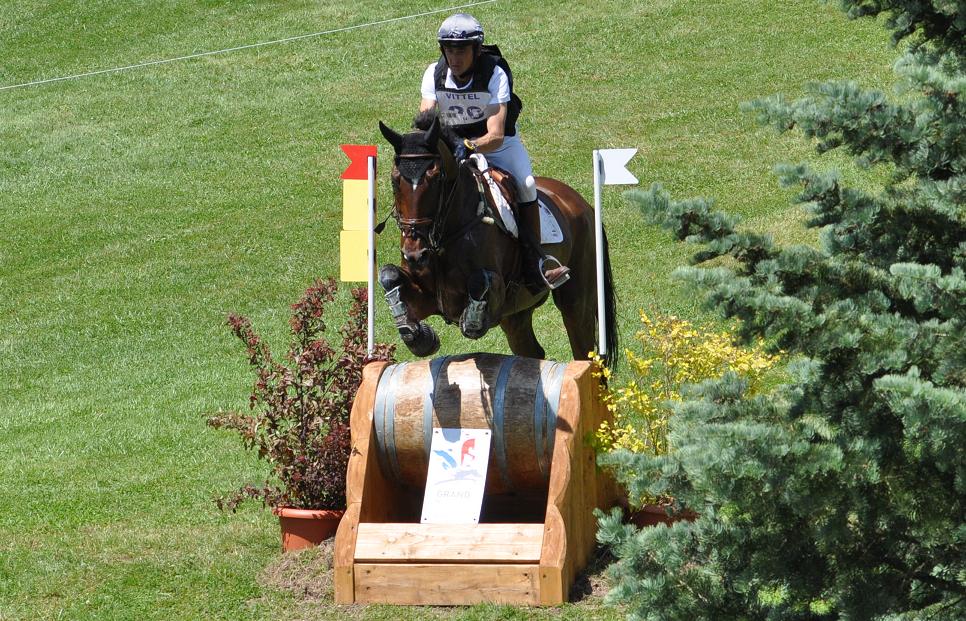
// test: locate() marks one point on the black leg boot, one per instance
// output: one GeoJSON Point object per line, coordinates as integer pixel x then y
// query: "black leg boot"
{"type": "Point", "coordinates": [539, 269]}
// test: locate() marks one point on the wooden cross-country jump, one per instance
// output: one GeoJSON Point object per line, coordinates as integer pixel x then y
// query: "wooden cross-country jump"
{"type": "Point", "coordinates": [537, 528]}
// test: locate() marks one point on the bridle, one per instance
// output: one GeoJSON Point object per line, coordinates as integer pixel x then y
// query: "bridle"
{"type": "Point", "coordinates": [431, 230]}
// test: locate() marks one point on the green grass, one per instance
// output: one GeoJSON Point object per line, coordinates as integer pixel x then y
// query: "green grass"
{"type": "Point", "coordinates": [139, 208]}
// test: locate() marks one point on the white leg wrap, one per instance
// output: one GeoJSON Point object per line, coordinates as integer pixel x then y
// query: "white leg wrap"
{"type": "Point", "coordinates": [407, 329]}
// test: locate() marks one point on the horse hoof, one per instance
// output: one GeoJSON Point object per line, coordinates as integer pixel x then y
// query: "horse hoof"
{"type": "Point", "coordinates": [473, 331]}
{"type": "Point", "coordinates": [473, 322]}
{"type": "Point", "coordinates": [390, 277]}
{"type": "Point", "coordinates": [424, 342]}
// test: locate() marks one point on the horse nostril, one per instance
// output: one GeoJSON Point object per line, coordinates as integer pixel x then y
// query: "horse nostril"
{"type": "Point", "coordinates": [415, 258]}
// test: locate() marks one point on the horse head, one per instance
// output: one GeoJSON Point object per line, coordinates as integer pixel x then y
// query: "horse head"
{"type": "Point", "coordinates": [422, 168]}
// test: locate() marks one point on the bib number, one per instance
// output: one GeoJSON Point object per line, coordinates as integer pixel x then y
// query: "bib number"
{"type": "Point", "coordinates": [462, 108]}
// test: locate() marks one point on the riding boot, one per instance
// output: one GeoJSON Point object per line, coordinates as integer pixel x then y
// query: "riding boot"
{"type": "Point", "coordinates": [538, 275]}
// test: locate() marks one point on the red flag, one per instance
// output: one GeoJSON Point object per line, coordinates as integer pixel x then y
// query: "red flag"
{"type": "Point", "coordinates": [359, 154]}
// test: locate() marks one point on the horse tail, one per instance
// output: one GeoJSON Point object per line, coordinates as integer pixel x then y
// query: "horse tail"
{"type": "Point", "coordinates": [610, 312]}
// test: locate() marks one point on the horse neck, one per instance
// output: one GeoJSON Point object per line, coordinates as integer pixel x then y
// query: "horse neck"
{"type": "Point", "coordinates": [459, 201]}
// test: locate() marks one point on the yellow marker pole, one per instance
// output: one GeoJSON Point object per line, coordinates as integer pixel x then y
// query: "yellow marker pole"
{"type": "Point", "coordinates": [357, 240]}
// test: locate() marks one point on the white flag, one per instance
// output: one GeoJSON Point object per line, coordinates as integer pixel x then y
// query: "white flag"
{"type": "Point", "coordinates": [614, 166]}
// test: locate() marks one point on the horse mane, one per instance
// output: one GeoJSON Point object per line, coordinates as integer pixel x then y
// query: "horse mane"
{"type": "Point", "coordinates": [424, 119]}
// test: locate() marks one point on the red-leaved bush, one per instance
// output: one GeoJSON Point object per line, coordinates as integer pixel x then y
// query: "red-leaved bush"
{"type": "Point", "coordinates": [298, 418]}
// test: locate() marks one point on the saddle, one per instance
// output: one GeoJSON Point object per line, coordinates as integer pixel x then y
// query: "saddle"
{"type": "Point", "coordinates": [497, 193]}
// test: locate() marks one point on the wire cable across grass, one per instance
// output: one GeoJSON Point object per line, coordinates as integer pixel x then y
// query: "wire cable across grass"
{"type": "Point", "coordinates": [243, 47]}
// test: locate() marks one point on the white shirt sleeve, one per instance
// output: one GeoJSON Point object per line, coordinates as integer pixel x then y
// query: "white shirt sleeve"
{"type": "Point", "coordinates": [499, 86]}
{"type": "Point", "coordinates": [428, 87]}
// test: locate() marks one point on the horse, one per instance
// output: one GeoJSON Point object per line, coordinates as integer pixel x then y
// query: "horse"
{"type": "Point", "coordinates": [457, 261]}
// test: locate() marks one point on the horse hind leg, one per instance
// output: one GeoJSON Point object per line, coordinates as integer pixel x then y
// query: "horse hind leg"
{"type": "Point", "coordinates": [579, 313]}
{"type": "Point", "coordinates": [518, 329]}
{"type": "Point", "coordinates": [418, 336]}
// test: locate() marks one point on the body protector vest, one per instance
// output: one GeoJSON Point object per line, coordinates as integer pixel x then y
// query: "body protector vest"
{"type": "Point", "coordinates": [465, 111]}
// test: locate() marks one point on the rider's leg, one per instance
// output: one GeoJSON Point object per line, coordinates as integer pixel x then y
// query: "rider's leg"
{"type": "Point", "coordinates": [513, 157]}
{"type": "Point", "coordinates": [548, 273]}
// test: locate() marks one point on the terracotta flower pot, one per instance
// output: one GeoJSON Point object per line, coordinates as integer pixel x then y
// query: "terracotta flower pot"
{"type": "Point", "coordinates": [304, 528]}
{"type": "Point", "coordinates": [651, 515]}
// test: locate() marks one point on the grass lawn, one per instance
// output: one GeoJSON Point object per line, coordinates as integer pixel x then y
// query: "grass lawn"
{"type": "Point", "coordinates": [139, 207]}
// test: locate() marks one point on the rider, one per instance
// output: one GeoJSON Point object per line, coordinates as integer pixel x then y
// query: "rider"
{"type": "Point", "coordinates": [473, 96]}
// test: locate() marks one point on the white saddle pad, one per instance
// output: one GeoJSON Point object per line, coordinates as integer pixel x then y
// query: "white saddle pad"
{"type": "Point", "coordinates": [550, 231]}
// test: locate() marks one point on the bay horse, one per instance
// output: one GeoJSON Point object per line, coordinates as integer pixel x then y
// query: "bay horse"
{"type": "Point", "coordinates": [459, 263]}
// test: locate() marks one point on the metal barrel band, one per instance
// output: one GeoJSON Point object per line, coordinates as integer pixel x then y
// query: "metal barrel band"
{"type": "Point", "coordinates": [499, 440]}
{"type": "Point", "coordinates": [379, 414]}
{"type": "Point", "coordinates": [555, 388]}
{"type": "Point", "coordinates": [539, 407]}
{"type": "Point", "coordinates": [385, 414]}
{"type": "Point", "coordinates": [545, 409]}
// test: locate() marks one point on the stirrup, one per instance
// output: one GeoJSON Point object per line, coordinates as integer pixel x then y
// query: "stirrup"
{"type": "Point", "coordinates": [560, 278]}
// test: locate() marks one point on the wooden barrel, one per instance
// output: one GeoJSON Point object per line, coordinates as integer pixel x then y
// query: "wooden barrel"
{"type": "Point", "coordinates": [516, 398]}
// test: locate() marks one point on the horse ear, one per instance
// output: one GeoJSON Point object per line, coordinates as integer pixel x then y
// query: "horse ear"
{"type": "Point", "coordinates": [446, 159]}
{"type": "Point", "coordinates": [394, 138]}
{"type": "Point", "coordinates": [433, 134]}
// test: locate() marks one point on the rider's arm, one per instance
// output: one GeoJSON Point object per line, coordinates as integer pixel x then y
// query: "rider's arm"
{"type": "Point", "coordinates": [493, 138]}
{"type": "Point", "coordinates": [427, 89]}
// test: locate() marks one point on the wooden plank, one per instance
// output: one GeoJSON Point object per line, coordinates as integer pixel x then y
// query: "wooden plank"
{"type": "Point", "coordinates": [585, 496]}
{"type": "Point", "coordinates": [360, 428]}
{"type": "Point", "coordinates": [360, 425]}
{"type": "Point", "coordinates": [576, 521]}
{"type": "Point", "coordinates": [507, 543]}
{"type": "Point", "coordinates": [446, 584]}
{"type": "Point", "coordinates": [342, 555]}
{"type": "Point", "coordinates": [552, 579]}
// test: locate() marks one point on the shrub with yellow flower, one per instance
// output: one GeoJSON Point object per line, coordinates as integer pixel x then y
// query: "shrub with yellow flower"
{"type": "Point", "coordinates": [673, 352]}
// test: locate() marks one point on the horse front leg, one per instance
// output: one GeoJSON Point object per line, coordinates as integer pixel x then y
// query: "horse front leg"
{"type": "Point", "coordinates": [409, 305]}
{"type": "Point", "coordinates": [486, 294]}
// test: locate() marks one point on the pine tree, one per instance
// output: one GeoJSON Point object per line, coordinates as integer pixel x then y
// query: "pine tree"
{"type": "Point", "coordinates": [841, 495]}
